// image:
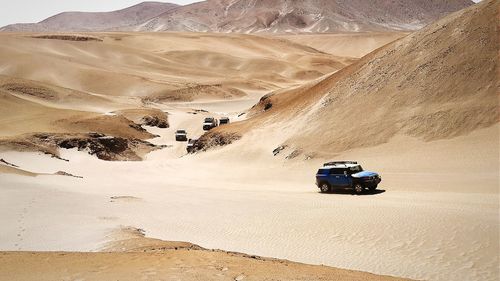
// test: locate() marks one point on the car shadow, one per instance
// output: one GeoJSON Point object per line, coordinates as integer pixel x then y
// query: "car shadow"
{"type": "Point", "coordinates": [351, 192]}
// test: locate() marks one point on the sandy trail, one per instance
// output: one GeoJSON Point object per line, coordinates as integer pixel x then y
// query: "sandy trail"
{"type": "Point", "coordinates": [223, 200]}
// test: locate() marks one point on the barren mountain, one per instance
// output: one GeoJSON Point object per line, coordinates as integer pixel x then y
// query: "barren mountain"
{"type": "Point", "coordinates": [302, 16]}
{"type": "Point", "coordinates": [437, 83]}
{"type": "Point", "coordinates": [257, 16]}
{"type": "Point", "coordinates": [88, 21]}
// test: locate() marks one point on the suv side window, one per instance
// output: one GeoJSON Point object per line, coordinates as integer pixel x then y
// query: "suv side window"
{"type": "Point", "coordinates": [337, 171]}
{"type": "Point", "coordinates": [323, 171]}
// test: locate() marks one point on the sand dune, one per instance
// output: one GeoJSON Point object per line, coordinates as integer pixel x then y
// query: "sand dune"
{"type": "Point", "coordinates": [355, 44]}
{"type": "Point", "coordinates": [143, 64]}
{"type": "Point", "coordinates": [438, 83]}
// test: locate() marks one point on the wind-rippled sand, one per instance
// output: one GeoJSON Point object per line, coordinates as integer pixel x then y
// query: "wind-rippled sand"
{"type": "Point", "coordinates": [267, 210]}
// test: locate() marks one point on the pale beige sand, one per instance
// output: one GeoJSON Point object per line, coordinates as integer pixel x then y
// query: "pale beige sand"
{"type": "Point", "coordinates": [429, 228]}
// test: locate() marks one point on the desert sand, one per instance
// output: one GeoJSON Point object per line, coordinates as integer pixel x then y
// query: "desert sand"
{"type": "Point", "coordinates": [426, 228]}
{"type": "Point", "coordinates": [135, 257]}
{"type": "Point", "coordinates": [66, 201]}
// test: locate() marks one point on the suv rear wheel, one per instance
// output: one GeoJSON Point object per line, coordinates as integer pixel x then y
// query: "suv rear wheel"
{"type": "Point", "coordinates": [324, 187]}
{"type": "Point", "coordinates": [358, 188]}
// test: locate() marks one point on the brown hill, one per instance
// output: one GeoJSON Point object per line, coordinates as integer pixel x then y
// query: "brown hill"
{"type": "Point", "coordinates": [437, 83]}
{"type": "Point", "coordinates": [244, 16]}
{"type": "Point", "coordinates": [89, 21]}
{"type": "Point", "coordinates": [302, 16]}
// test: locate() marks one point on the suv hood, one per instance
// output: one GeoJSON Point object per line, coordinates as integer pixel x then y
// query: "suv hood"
{"type": "Point", "coordinates": [364, 174]}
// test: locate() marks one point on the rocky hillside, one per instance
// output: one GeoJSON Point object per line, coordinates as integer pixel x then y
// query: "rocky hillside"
{"type": "Point", "coordinates": [257, 16]}
{"type": "Point", "coordinates": [302, 16]}
{"type": "Point", "coordinates": [86, 21]}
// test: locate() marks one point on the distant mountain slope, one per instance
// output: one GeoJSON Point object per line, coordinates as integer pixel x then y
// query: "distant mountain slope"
{"type": "Point", "coordinates": [88, 21]}
{"type": "Point", "coordinates": [253, 16]}
{"type": "Point", "coordinates": [303, 15]}
{"type": "Point", "coordinates": [437, 83]}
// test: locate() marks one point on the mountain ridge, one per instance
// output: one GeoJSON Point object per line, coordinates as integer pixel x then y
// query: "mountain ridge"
{"type": "Point", "coordinates": [256, 16]}
{"type": "Point", "coordinates": [73, 21]}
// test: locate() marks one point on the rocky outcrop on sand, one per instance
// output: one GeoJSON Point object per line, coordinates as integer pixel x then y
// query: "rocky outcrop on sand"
{"type": "Point", "coordinates": [214, 139]}
{"type": "Point", "coordinates": [2, 161]}
{"type": "Point", "coordinates": [79, 38]}
{"type": "Point", "coordinates": [104, 147]}
{"type": "Point", "coordinates": [146, 116]}
{"type": "Point", "coordinates": [66, 174]}
{"type": "Point", "coordinates": [155, 121]}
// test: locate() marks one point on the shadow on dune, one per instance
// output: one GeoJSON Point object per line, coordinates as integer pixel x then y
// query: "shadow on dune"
{"type": "Point", "coordinates": [351, 192]}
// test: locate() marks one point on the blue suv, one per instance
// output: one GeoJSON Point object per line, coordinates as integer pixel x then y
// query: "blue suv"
{"type": "Point", "coordinates": [346, 175]}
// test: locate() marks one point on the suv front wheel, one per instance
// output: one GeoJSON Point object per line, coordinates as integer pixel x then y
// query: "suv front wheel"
{"type": "Point", "coordinates": [358, 188]}
{"type": "Point", "coordinates": [324, 187]}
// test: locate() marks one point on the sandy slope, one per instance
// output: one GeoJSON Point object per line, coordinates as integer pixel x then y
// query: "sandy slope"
{"type": "Point", "coordinates": [356, 44]}
{"type": "Point", "coordinates": [437, 83]}
{"type": "Point", "coordinates": [138, 65]}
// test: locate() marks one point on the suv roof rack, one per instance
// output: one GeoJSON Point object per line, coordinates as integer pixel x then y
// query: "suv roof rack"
{"type": "Point", "coordinates": [333, 163]}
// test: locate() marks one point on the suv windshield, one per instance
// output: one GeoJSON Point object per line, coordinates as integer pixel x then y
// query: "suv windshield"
{"type": "Point", "coordinates": [355, 169]}
{"type": "Point", "coordinates": [181, 132]}
{"type": "Point", "coordinates": [209, 120]}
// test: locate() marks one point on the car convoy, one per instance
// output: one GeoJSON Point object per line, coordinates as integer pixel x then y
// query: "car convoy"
{"type": "Point", "coordinates": [208, 124]}
{"type": "Point", "coordinates": [346, 175]}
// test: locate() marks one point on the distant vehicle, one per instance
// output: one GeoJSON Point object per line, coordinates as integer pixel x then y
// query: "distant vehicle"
{"type": "Point", "coordinates": [181, 135]}
{"type": "Point", "coordinates": [224, 120]}
{"type": "Point", "coordinates": [346, 175]}
{"type": "Point", "coordinates": [190, 145]}
{"type": "Point", "coordinates": [209, 123]}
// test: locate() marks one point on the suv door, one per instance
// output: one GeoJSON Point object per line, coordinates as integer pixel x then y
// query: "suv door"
{"type": "Point", "coordinates": [339, 178]}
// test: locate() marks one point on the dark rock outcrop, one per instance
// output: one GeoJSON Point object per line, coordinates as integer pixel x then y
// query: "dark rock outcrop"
{"type": "Point", "coordinates": [154, 121]}
{"type": "Point", "coordinates": [214, 139]}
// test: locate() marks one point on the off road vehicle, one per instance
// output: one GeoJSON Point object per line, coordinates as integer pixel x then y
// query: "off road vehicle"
{"type": "Point", "coordinates": [190, 145]}
{"type": "Point", "coordinates": [181, 135]}
{"type": "Point", "coordinates": [209, 123]}
{"type": "Point", "coordinates": [346, 175]}
{"type": "Point", "coordinates": [224, 120]}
